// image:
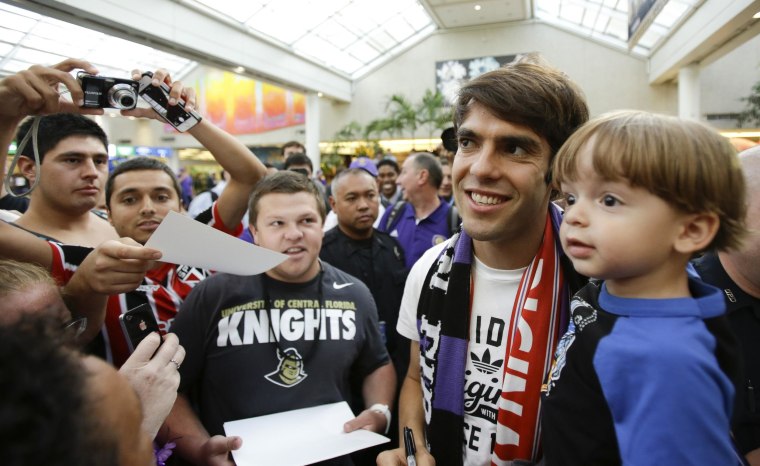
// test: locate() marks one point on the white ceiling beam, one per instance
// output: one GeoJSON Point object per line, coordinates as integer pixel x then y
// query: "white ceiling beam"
{"type": "Point", "coordinates": [706, 33]}
{"type": "Point", "coordinates": [431, 11]}
{"type": "Point", "coordinates": [175, 28]}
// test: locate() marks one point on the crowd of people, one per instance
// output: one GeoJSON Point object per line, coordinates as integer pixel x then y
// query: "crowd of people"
{"type": "Point", "coordinates": [560, 291]}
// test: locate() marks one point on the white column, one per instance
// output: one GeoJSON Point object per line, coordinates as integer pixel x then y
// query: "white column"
{"type": "Point", "coordinates": [688, 92]}
{"type": "Point", "coordinates": [312, 129]}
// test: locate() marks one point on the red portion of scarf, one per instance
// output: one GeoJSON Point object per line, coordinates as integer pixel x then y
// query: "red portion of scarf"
{"type": "Point", "coordinates": [532, 339]}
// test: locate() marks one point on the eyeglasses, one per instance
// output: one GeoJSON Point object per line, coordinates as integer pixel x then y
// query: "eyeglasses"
{"type": "Point", "coordinates": [75, 327]}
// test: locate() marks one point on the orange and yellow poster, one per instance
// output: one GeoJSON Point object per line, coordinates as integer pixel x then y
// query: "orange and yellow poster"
{"type": "Point", "coordinates": [241, 105]}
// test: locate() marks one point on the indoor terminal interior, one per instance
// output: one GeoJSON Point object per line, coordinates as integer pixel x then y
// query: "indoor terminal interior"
{"type": "Point", "coordinates": [339, 75]}
{"type": "Point", "coordinates": [594, 215]}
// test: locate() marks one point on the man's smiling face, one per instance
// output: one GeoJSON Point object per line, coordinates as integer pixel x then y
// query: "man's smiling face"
{"type": "Point", "coordinates": [498, 176]}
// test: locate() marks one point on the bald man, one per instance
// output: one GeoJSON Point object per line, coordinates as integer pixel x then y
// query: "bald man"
{"type": "Point", "coordinates": [738, 275]}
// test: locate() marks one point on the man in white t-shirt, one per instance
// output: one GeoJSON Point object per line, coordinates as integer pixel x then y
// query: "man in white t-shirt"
{"type": "Point", "coordinates": [484, 309]}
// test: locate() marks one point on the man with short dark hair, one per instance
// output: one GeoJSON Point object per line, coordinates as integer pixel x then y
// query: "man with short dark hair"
{"type": "Point", "coordinates": [73, 169]}
{"type": "Point", "coordinates": [299, 330]}
{"type": "Point", "coordinates": [420, 221]}
{"type": "Point", "coordinates": [140, 193]}
{"type": "Point", "coordinates": [291, 148]}
{"type": "Point", "coordinates": [387, 173]}
{"type": "Point", "coordinates": [300, 163]}
{"type": "Point", "coordinates": [486, 308]}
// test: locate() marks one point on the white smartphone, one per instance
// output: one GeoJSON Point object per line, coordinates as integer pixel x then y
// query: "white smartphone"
{"type": "Point", "coordinates": [158, 98]}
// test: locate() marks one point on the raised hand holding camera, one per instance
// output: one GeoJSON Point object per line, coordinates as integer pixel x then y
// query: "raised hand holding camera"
{"type": "Point", "coordinates": [36, 91]}
{"type": "Point", "coordinates": [105, 92]}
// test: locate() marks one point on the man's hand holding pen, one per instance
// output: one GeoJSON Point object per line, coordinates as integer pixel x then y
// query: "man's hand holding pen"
{"type": "Point", "coordinates": [407, 454]}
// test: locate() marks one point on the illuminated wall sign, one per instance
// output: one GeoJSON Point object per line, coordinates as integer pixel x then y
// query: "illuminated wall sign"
{"type": "Point", "coordinates": [241, 105]}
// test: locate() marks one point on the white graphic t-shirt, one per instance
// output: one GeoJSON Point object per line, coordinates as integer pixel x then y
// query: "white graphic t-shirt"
{"type": "Point", "coordinates": [493, 298]}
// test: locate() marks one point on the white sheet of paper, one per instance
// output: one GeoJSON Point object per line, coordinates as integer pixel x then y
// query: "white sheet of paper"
{"type": "Point", "coordinates": [185, 241]}
{"type": "Point", "coordinates": [298, 437]}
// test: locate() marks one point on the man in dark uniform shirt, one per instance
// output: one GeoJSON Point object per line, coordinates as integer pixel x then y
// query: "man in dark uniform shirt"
{"type": "Point", "coordinates": [368, 254]}
{"type": "Point", "coordinates": [375, 258]}
{"type": "Point", "coordinates": [738, 275]}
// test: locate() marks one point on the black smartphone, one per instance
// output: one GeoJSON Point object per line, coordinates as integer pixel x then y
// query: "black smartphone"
{"type": "Point", "coordinates": [138, 323]}
{"type": "Point", "coordinates": [158, 98]}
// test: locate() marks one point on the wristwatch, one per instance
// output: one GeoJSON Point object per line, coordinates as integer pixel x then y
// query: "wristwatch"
{"type": "Point", "coordinates": [384, 410]}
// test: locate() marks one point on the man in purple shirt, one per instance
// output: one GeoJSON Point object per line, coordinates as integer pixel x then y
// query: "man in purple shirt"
{"type": "Point", "coordinates": [422, 221]}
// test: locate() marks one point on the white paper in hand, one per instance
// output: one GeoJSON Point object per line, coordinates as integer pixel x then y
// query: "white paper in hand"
{"type": "Point", "coordinates": [185, 241]}
{"type": "Point", "coordinates": [298, 437]}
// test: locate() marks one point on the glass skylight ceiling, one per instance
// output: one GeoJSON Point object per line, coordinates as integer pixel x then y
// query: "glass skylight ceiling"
{"type": "Point", "coordinates": [347, 35]}
{"type": "Point", "coordinates": [607, 20]}
{"type": "Point", "coordinates": [27, 38]}
{"type": "Point", "coordinates": [350, 36]}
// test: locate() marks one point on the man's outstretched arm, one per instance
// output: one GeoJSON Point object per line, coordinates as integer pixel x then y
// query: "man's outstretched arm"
{"type": "Point", "coordinates": [244, 168]}
{"type": "Point", "coordinates": [410, 414]}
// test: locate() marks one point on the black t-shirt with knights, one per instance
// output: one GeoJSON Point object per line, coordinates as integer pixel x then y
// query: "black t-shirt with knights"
{"type": "Point", "coordinates": [257, 346]}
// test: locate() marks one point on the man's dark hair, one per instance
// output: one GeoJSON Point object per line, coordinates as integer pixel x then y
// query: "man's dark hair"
{"type": "Point", "coordinates": [44, 416]}
{"type": "Point", "coordinates": [293, 144]}
{"type": "Point", "coordinates": [284, 182]}
{"type": "Point", "coordinates": [56, 127]}
{"type": "Point", "coordinates": [139, 163]}
{"type": "Point", "coordinates": [429, 162]}
{"type": "Point", "coordinates": [391, 163]}
{"type": "Point", "coordinates": [528, 92]}
{"type": "Point", "coordinates": [298, 159]}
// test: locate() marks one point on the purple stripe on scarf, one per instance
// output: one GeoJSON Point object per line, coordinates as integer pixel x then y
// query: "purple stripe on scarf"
{"type": "Point", "coordinates": [564, 314]}
{"type": "Point", "coordinates": [463, 249]}
{"type": "Point", "coordinates": [449, 380]}
{"type": "Point", "coordinates": [556, 215]}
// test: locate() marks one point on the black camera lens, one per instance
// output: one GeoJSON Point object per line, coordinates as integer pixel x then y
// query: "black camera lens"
{"type": "Point", "coordinates": [127, 101]}
{"type": "Point", "coordinates": [122, 96]}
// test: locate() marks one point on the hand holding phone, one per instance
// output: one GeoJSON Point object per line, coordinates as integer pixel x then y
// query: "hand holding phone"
{"type": "Point", "coordinates": [138, 323]}
{"type": "Point", "coordinates": [158, 98]}
{"type": "Point", "coordinates": [155, 377]}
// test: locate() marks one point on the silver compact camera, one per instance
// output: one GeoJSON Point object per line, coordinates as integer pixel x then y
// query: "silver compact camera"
{"type": "Point", "coordinates": [104, 92]}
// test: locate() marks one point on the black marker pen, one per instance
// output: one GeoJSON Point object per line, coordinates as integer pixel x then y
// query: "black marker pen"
{"type": "Point", "coordinates": [410, 447]}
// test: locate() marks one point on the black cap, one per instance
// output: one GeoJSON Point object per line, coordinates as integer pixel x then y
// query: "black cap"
{"type": "Point", "coordinates": [449, 139]}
